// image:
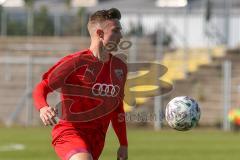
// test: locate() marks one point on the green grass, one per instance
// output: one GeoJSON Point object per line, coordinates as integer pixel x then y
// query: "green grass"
{"type": "Point", "coordinates": [143, 145]}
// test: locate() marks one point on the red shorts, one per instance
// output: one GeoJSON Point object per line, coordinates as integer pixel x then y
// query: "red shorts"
{"type": "Point", "coordinates": [71, 142]}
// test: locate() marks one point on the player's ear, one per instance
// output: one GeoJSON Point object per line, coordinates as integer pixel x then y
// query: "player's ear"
{"type": "Point", "coordinates": [100, 33]}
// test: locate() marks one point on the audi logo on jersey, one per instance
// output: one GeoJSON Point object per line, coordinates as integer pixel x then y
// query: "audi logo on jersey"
{"type": "Point", "coordinates": [108, 90]}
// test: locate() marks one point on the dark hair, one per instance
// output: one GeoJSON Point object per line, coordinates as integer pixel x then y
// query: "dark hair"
{"type": "Point", "coordinates": [103, 15]}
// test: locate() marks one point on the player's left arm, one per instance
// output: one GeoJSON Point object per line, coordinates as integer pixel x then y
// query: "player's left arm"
{"type": "Point", "coordinates": [119, 122]}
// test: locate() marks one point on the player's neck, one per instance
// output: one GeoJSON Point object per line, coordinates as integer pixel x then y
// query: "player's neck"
{"type": "Point", "coordinates": [99, 52]}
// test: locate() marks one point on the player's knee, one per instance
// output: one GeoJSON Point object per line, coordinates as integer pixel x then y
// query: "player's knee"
{"type": "Point", "coordinates": [81, 156]}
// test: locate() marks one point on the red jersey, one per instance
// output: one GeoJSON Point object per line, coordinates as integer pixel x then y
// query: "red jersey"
{"type": "Point", "coordinates": [91, 94]}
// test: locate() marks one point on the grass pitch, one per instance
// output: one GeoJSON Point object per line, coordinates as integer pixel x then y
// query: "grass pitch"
{"type": "Point", "coordinates": [143, 144]}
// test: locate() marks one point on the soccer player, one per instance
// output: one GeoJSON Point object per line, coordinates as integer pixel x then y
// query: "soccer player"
{"type": "Point", "coordinates": [91, 83]}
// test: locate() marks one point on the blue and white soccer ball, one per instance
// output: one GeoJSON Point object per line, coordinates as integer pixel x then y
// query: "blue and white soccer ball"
{"type": "Point", "coordinates": [182, 113]}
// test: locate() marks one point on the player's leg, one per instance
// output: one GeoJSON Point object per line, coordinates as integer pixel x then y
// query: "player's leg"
{"type": "Point", "coordinates": [81, 156]}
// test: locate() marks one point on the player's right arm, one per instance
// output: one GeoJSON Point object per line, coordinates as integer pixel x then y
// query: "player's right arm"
{"type": "Point", "coordinates": [54, 79]}
{"type": "Point", "coordinates": [51, 80]}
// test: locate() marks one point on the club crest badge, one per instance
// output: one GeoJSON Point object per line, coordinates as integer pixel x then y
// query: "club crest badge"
{"type": "Point", "coordinates": [119, 74]}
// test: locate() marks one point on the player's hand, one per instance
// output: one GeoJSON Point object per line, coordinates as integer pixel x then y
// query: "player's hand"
{"type": "Point", "coordinates": [47, 115]}
{"type": "Point", "coordinates": [122, 153]}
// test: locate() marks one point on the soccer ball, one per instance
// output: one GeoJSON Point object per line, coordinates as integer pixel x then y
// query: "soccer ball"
{"type": "Point", "coordinates": [182, 113]}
